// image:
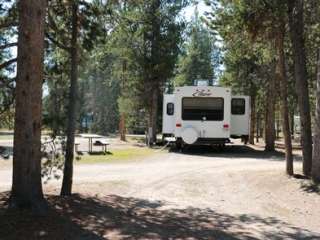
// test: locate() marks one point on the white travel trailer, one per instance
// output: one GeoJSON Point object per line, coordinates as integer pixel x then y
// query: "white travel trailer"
{"type": "Point", "coordinates": [205, 115]}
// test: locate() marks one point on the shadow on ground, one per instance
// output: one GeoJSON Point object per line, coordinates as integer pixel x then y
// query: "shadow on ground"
{"type": "Point", "coordinates": [115, 217]}
{"type": "Point", "coordinates": [310, 187]}
{"type": "Point", "coordinates": [236, 151]}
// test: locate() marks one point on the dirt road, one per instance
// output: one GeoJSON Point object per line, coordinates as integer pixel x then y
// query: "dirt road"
{"type": "Point", "coordinates": [239, 191]}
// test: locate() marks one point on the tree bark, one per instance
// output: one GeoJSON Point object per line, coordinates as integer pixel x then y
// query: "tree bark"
{"type": "Point", "coordinates": [155, 114]}
{"type": "Point", "coordinates": [122, 124]}
{"type": "Point", "coordinates": [316, 138]}
{"type": "Point", "coordinates": [282, 77]}
{"type": "Point", "coordinates": [122, 127]}
{"type": "Point", "coordinates": [154, 75]}
{"type": "Point", "coordinates": [66, 189]}
{"type": "Point", "coordinates": [253, 116]}
{"type": "Point", "coordinates": [296, 24]}
{"type": "Point", "coordinates": [152, 118]}
{"type": "Point", "coordinates": [292, 123]}
{"type": "Point", "coordinates": [26, 183]}
{"type": "Point", "coordinates": [258, 127]}
{"type": "Point", "coordinates": [270, 116]}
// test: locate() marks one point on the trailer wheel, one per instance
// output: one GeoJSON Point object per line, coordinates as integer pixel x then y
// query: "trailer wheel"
{"type": "Point", "coordinates": [245, 139]}
{"type": "Point", "coordinates": [179, 145]}
{"type": "Point", "coordinates": [221, 147]}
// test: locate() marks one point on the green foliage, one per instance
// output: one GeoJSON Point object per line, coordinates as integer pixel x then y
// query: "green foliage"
{"type": "Point", "coordinates": [92, 31]}
{"type": "Point", "coordinates": [53, 158]}
{"type": "Point", "coordinates": [200, 57]}
{"type": "Point", "coordinates": [147, 38]}
{"type": "Point", "coordinates": [127, 50]}
{"type": "Point", "coordinates": [7, 119]}
{"type": "Point", "coordinates": [7, 17]}
{"type": "Point", "coordinates": [248, 29]}
{"type": "Point", "coordinates": [312, 42]}
{"type": "Point", "coordinates": [99, 91]}
{"type": "Point", "coordinates": [56, 94]}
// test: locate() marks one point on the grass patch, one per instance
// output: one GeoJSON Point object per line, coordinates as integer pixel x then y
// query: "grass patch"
{"type": "Point", "coordinates": [117, 155]}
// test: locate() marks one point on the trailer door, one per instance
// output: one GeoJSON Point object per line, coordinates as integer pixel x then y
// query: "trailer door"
{"type": "Point", "coordinates": [168, 115]}
{"type": "Point", "coordinates": [240, 116]}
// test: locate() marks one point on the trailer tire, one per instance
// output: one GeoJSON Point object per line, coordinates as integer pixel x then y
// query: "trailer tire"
{"type": "Point", "coordinates": [245, 139]}
{"type": "Point", "coordinates": [221, 147]}
{"type": "Point", "coordinates": [178, 144]}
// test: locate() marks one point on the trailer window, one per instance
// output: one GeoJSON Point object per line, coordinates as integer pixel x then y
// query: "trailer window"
{"type": "Point", "coordinates": [195, 108]}
{"type": "Point", "coordinates": [238, 106]}
{"type": "Point", "coordinates": [170, 109]}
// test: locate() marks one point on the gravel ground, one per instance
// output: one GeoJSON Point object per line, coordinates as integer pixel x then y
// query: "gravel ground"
{"type": "Point", "coordinates": [240, 190]}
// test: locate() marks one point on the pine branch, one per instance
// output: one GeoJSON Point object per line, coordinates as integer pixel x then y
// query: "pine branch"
{"type": "Point", "coordinates": [57, 43]}
{"type": "Point", "coordinates": [8, 23]}
{"type": "Point", "coordinates": [8, 63]}
{"type": "Point", "coordinates": [61, 32]}
{"type": "Point", "coordinates": [8, 45]}
{"type": "Point", "coordinates": [7, 105]}
{"type": "Point", "coordinates": [7, 82]}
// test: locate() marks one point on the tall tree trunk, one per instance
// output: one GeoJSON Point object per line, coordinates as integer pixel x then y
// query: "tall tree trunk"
{"type": "Point", "coordinates": [26, 183]}
{"type": "Point", "coordinates": [122, 127]}
{"type": "Point", "coordinates": [122, 124]}
{"type": "Point", "coordinates": [292, 123]}
{"type": "Point", "coordinates": [155, 115]}
{"type": "Point", "coordinates": [66, 189]}
{"type": "Point", "coordinates": [297, 37]}
{"type": "Point", "coordinates": [152, 118]}
{"type": "Point", "coordinates": [252, 116]}
{"type": "Point", "coordinates": [154, 74]}
{"type": "Point", "coordinates": [56, 107]}
{"type": "Point", "coordinates": [282, 77]}
{"type": "Point", "coordinates": [270, 116]}
{"type": "Point", "coordinates": [278, 129]}
{"type": "Point", "coordinates": [258, 126]}
{"type": "Point", "coordinates": [316, 138]}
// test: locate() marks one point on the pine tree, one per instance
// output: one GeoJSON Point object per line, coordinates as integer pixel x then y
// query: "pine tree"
{"type": "Point", "coordinates": [79, 25]}
{"type": "Point", "coordinates": [296, 24]}
{"type": "Point", "coordinates": [26, 185]}
{"type": "Point", "coordinates": [149, 37]}
{"type": "Point", "coordinates": [197, 61]}
{"type": "Point", "coordinates": [316, 137]}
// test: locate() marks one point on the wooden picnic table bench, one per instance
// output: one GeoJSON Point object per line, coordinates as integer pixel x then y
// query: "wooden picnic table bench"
{"type": "Point", "coordinates": [103, 143]}
{"type": "Point", "coordinates": [94, 140]}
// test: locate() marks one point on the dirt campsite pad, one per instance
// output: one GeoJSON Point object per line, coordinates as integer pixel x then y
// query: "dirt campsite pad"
{"type": "Point", "coordinates": [239, 193]}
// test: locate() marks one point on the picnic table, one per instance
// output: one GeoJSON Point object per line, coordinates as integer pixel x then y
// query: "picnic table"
{"type": "Point", "coordinates": [101, 142]}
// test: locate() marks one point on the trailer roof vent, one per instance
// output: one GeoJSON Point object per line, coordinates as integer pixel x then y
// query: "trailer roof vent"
{"type": "Point", "coordinates": [201, 83]}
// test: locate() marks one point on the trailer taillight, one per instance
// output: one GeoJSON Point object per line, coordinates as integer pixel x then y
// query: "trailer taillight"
{"type": "Point", "coordinates": [178, 125]}
{"type": "Point", "coordinates": [226, 126]}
